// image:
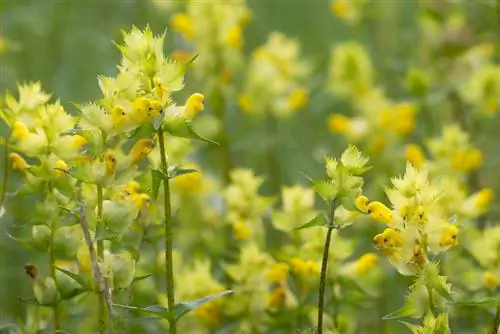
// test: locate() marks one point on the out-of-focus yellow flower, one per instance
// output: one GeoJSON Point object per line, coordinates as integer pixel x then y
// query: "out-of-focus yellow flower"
{"type": "Point", "coordinates": [191, 182]}
{"type": "Point", "coordinates": [245, 102]}
{"type": "Point", "coordinates": [304, 268]}
{"type": "Point", "coordinates": [61, 168]}
{"type": "Point", "coordinates": [297, 99]}
{"type": "Point", "coordinates": [241, 230]}
{"type": "Point", "coordinates": [467, 160]}
{"type": "Point", "coordinates": [365, 263]}
{"type": "Point", "coordinates": [18, 162]}
{"type": "Point", "coordinates": [209, 313]}
{"type": "Point", "coordinates": [449, 237]}
{"type": "Point", "coordinates": [183, 24]}
{"type": "Point", "coordinates": [234, 37]}
{"type": "Point", "coordinates": [20, 131]}
{"type": "Point", "coordinates": [83, 258]}
{"type": "Point", "coordinates": [490, 280]}
{"type": "Point", "coordinates": [415, 155]}
{"type": "Point", "coordinates": [399, 118]}
{"type": "Point", "coordinates": [194, 105]}
{"type": "Point", "coordinates": [338, 123]}
{"type": "Point", "coordinates": [483, 198]}
{"type": "Point", "coordinates": [348, 10]}
{"type": "Point", "coordinates": [277, 273]}
{"type": "Point", "coordinates": [181, 56]}
{"type": "Point", "coordinates": [277, 297]}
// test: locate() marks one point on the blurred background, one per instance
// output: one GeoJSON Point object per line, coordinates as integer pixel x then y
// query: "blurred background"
{"type": "Point", "coordinates": [66, 44]}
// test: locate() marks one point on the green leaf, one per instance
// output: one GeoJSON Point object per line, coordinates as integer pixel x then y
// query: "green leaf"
{"type": "Point", "coordinates": [319, 220]}
{"type": "Point", "coordinates": [140, 278]}
{"type": "Point", "coordinates": [32, 301]}
{"type": "Point", "coordinates": [156, 182]}
{"type": "Point", "coordinates": [184, 308]}
{"type": "Point", "coordinates": [403, 312]}
{"type": "Point", "coordinates": [180, 127]}
{"type": "Point", "coordinates": [26, 243]}
{"type": "Point", "coordinates": [2, 211]}
{"type": "Point", "coordinates": [486, 302]}
{"type": "Point", "coordinates": [156, 310]}
{"type": "Point", "coordinates": [74, 293]}
{"type": "Point", "coordinates": [177, 171]}
{"type": "Point", "coordinates": [85, 284]}
{"type": "Point", "coordinates": [411, 327]}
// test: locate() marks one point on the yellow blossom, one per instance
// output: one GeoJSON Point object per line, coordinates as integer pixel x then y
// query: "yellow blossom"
{"type": "Point", "coordinates": [339, 123]}
{"type": "Point", "coordinates": [304, 268]}
{"type": "Point", "coordinates": [20, 131]}
{"type": "Point", "coordinates": [194, 104]}
{"type": "Point", "coordinates": [241, 231]}
{"type": "Point", "coordinates": [61, 168]}
{"type": "Point", "coordinates": [418, 258]}
{"type": "Point", "coordinates": [379, 212]}
{"type": "Point", "coordinates": [277, 297]}
{"type": "Point", "coordinates": [110, 162]}
{"type": "Point", "coordinates": [365, 263]}
{"type": "Point", "coordinates": [234, 37]}
{"type": "Point", "coordinates": [490, 280]}
{"type": "Point", "coordinates": [277, 273]}
{"type": "Point", "coordinates": [191, 182]}
{"type": "Point", "coordinates": [390, 238]}
{"type": "Point", "coordinates": [18, 162]}
{"type": "Point", "coordinates": [362, 203]}
{"type": "Point", "coordinates": [449, 237]}
{"type": "Point", "coordinates": [141, 149]}
{"type": "Point", "coordinates": [297, 99]}
{"type": "Point", "coordinates": [340, 8]}
{"type": "Point", "coordinates": [209, 313]}
{"type": "Point", "coordinates": [83, 258]}
{"type": "Point", "coordinates": [415, 155]}
{"type": "Point", "coordinates": [483, 198]}
{"type": "Point", "coordinates": [245, 102]}
{"type": "Point", "coordinates": [183, 24]}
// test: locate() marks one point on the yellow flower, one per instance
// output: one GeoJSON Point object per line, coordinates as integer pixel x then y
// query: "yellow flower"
{"type": "Point", "coordinates": [365, 263]}
{"type": "Point", "coordinates": [340, 8]}
{"type": "Point", "coordinates": [241, 231]}
{"type": "Point", "coordinates": [449, 237]}
{"type": "Point", "coordinates": [209, 313]}
{"type": "Point", "coordinates": [245, 102]}
{"type": "Point", "coordinates": [194, 104]}
{"type": "Point", "coordinates": [277, 297]}
{"type": "Point", "coordinates": [466, 160]}
{"type": "Point", "coordinates": [20, 131]}
{"type": "Point", "coordinates": [362, 203]}
{"type": "Point", "coordinates": [140, 108]}
{"type": "Point", "coordinates": [141, 149]}
{"type": "Point", "coordinates": [234, 38]}
{"type": "Point", "coordinates": [483, 198]}
{"type": "Point", "coordinates": [415, 155]}
{"type": "Point", "coordinates": [405, 118]}
{"type": "Point", "coordinates": [191, 182]}
{"type": "Point", "coordinates": [490, 280]}
{"type": "Point", "coordinates": [418, 258]}
{"type": "Point", "coordinates": [78, 141]}
{"type": "Point", "coordinates": [390, 238]}
{"type": "Point", "coordinates": [181, 56]}
{"type": "Point", "coordinates": [304, 268]}
{"type": "Point", "coordinates": [379, 212]}
{"type": "Point", "coordinates": [18, 162]}
{"type": "Point", "coordinates": [297, 99]}
{"type": "Point", "coordinates": [61, 167]}
{"type": "Point", "coordinates": [278, 273]}
{"type": "Point", "coordinates": [339, 123]}
{"type": "Point", "coordinates": [183, 24]}
{"type": "Point", "coordinates": [110, 162]}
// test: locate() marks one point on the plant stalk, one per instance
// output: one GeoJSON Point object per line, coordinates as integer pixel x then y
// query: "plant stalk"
{"type": "Point", "coordinates": [5, 170]}
{"type": "Point", "coordinates": [100, 255]}
{"type": "Point", "coordinates": [324, 265]}
{"type": "Point", "coordinates": [55, 308]}
{"type": "Point", "coordinates": [219, 105]}
{"type": "Point", "coordinates": [496, 322]}
{"type": "Point", "coordinates": [168, 235]}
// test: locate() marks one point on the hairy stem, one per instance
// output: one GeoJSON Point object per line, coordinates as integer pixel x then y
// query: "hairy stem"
{"type": "Point", "coordinates": [324, 266]}
{"type": "Point", "coordinates": [168, 235]}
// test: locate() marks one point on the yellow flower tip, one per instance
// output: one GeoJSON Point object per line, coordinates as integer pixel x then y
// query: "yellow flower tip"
{"type": "Point", "coordinates": [304, 268]}
{"type": "Point", "coordinates": [141, 201]}
{"type": "Point", "coordinates": [234, 37]}
{"type": "Point", "coordinates": [415, 155]}
{"type": "Point", "coordinates": [277, 273]}
{"type": "Point", "coordinates": [339, 124]}
{"type": "Point", "coordinates": [297, 99]}
{"type": "Point", "coordinates": [110, 162]}
{"type": "Point", "coordinates": [245, 103]}
{"type": "Point", "coordinates": [390, 238]}
{"type": "Point", "coordinates": [141, 149]}
{"type": "Point", "coordinates": [209, 313]}
{"type": "Point", "coordinates": [484, 198]}
{"type": "Point", "coordinates": [18, 162]}
{"type": "Point", "coordinates": [181, 56]}
{"type": "Point", "coordinates": [492, 105]}
{"type": "Point", "coordinates": [61, 168]}
{"type": "Point", "coordinates": [362, 203]}
{"type": "Point", "coordinates": [20, 131]}
{"type": "Point", "coordinates": [365, 263]}
{"type": "Point", "coordinates": [339, 8]}
{"type": "Point", "coordinates": [132, 188]}
{"type": "Point", "coordinates": [312, 267]}
{"type": "Point", "coordinates": [490, 280]}
{"type": "Point", "coordinates": [379, 212]}
{"type": "Point", "coordinates": [474, 159]}
{"type": "Point", "coordinates": [194, 105]}
{"type": "Point", "coordinates": [79, 141]}
{"type": "Point", "coordinates": [241, 231]}
{"type": "Point", "coordinates": [449, 237]}
{"type": "Point", "coordinates": [277, 297]}
{"type": "Point", "coordinates": [183, 24]}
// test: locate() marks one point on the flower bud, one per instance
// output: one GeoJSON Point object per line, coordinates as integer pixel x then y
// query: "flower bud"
{"type": "Point", "coordinates": [123, 268]}
{"type": "Point", "coordinates": [118, 216]}
{"type": "Point", "coordinates": [67, 239]}
{"type": "Point", "coordinates": [45, 291]}
{"type": "Point", "coordinates": [41, 237]}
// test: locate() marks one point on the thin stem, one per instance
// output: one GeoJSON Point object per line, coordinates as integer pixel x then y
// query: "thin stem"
{"type": "Point", "coordinates": [100, 255]}
{"type": "Point", "coordinates": [5, 170]}
{"type": "Point", "coordinates": [219, 107]}
{"type": "Point", "coordinates": [324, 265]}
{"type": "Point", "coordinates": [496, 322]}
{"type": "Point", "coordinates": [168, 236]}
{"type": "Point", "coordinates": [275, 175]}
{"type": "Point", "coordinates": [431, 299]}
{"type": "Point", "coordinates": [55, 308]}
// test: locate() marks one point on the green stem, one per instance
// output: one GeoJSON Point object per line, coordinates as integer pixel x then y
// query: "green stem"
{"type": "Point", "coordinates": [219, 107]}
{"type": "Point", "coordinates": [324, 265]}
{"type": "Point", "coordinates": [275, 175]}
{"type": "Point", "coordinates": [168, 236]}
{"type": "Point", "coordinates": [496, 322]}
{"type": "Point", "coordinates": [55, 308]}
{"type": "Point", "coordinates": [100, 255]}
{"type": "Point", "coordinates": [431, 300]}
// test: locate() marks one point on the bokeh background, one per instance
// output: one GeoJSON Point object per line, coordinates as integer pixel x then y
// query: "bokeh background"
{"type": "Point", "coordinates": [66, 44]}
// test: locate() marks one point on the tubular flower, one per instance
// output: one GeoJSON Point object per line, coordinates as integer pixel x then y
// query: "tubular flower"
{"type": "Point", "coordinates": [483, 198]}
{"type": "Point", "coordinates": [110, 162]}
{"type": "Point", "coordinates": [449, 237]}
{"type": "Point", "coordinates": [297, 99]}
{"type": "Point", "coordinates": [141, 149]}
{"type": "Point", "coordinates": [365, 263]}
{"type": "Point", "coordinates": [241, 230]}
{"type": "Point", "coordinates": [278, 273]}
{"type": "Point", "coordinates": [490, 280]}
{"type": "Point", "coordinates": [339, 123]}
{"type": "Point", "coordinates": [183, 24]}
{"type": "Point", "coordinates": [415, 155]}
{"type": "Point", "coordinates": [234, 37]}
{"type": "Point", "coordinates": [277, 297]}
{"type": "Point", "coordinates": [362, 203]}
{"type": "Point", "coordinates": [20, 131]}
{"type": "Point", "coordinates": [62, 167]}
{"type": "Point", "coordinates": [304, 268]}
{"type": "Point", "coordinates": [18, 162]}
{"type": "Point", "coordinates": [379, 212]}
{"type": "Point", "coordinates": [194, 105]}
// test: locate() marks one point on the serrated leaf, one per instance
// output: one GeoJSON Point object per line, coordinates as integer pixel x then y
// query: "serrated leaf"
{"type": "Point", "coordinates": [184, 308]}
{"type": "Point", "coordinates": [319, 220]}
{"type": "Point", "coordinates": [486, 302]}
{"type": "Point", "coordinates": [177, 171]}
{"type": "Point", "coordinates": [140, 278]}
{"type": "Point", "coordinates": [403, 312]}
{"type": "Point", "coordinates": [79, 279]}
{"type": "Point", "coordinates": [156, 310]}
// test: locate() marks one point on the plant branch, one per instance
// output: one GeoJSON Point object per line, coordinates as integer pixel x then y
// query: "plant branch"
{"type": "Point", "coordinates": [168, 235]}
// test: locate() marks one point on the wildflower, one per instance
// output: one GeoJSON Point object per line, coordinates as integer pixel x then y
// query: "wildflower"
{"type": "Point", "coordinates": [483, 198]}
{"type": "Point", "coordinates": [18, 162]}
{"type": "Point", "coordinates": [277, 297]}
{"type": "Point", "coordinates": [183, 24]}
{"type": "Point", "coordinates": [245, 102]}
{"type": "Point", "coordinates": [338, 123]}
{"type": "Point", "coordinates": [194, 104]}
{"type": "Point", "coordinates": [141, 149]}
{"type": "Point", "coordinates": [304, 268]}
{"type": "Point", "coordinates": [415, 155]}
{"type": "Point", "coordinates": [20, 131]}
{"type": "Point", "coordinates": [362, 203]}
{"type": "Point", "coordinates": [379, 212]}
{"type": "Point", "coordinates": [490, 280]}
{"type": "Point", "coordinates": [297, 99]}
{"type": "Point", "coordinates": [277, 273]}
{"type": "Point", "coordinates": [83, 258]}
{"type": "Point", "coordinates": [62, 167]}
{"type": "Point", "coordinates": [234, 37]}
{"type": "Point", "coordinates": [110, 162]}
{"type": "Point", "coordinates": [449, 237]}
{"type": "Point", "coordinates": [241, 231]}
